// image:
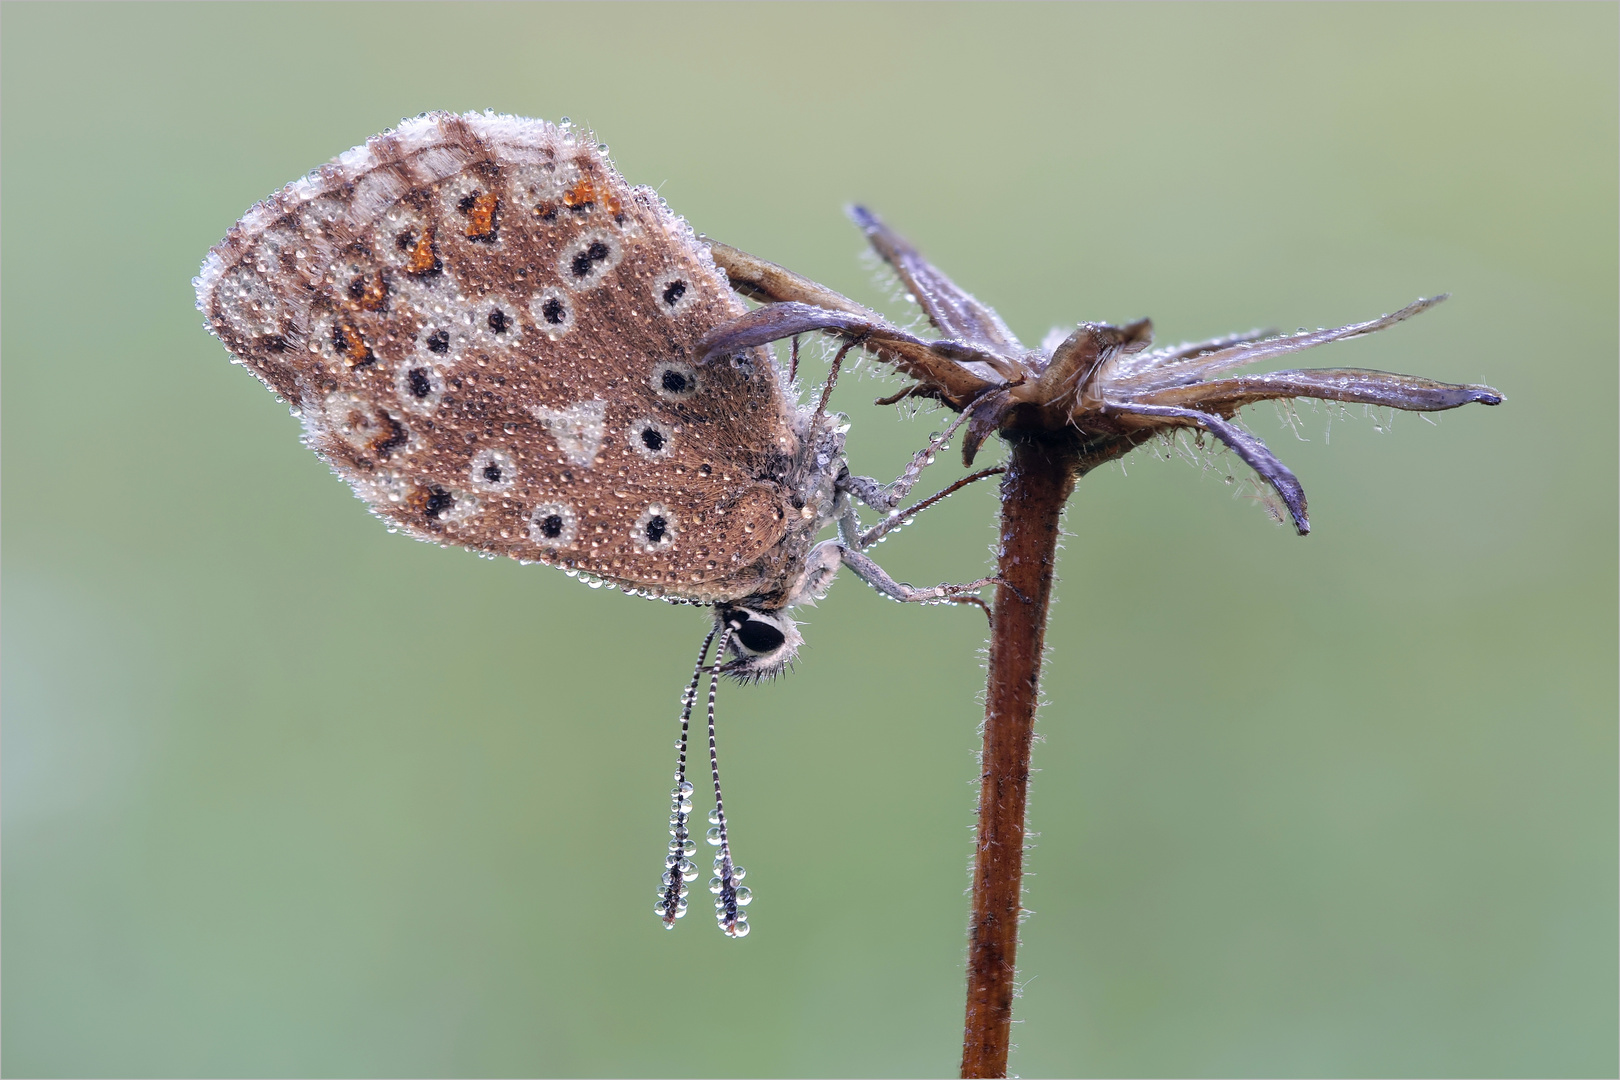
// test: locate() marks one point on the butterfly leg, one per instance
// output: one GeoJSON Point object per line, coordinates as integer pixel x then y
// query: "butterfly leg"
{"type": "Point", "coordinates": [875, 576]}
{"type": "Point", "coordinates": [902, 485]}
{"type": "Point", "coordinates": [827, 556]}
{"type": "Point", "coordinates": [897, 518]}
{"type": "Point", "coordinates": [887, 497]}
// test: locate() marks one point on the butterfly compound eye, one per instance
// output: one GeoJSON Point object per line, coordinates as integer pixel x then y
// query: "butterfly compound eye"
{"type": "Point", "coordinates": [762, 643]}
{"type": "Point", "coordinates": [759, 636]}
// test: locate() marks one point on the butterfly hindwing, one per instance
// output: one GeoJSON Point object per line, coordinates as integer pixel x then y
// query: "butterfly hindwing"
{"type": "Point", "coordinates": [491, 337]}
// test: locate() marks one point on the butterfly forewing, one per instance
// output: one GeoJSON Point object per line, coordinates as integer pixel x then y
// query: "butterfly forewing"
{"type": "Point", "coordinates": [491, 336]}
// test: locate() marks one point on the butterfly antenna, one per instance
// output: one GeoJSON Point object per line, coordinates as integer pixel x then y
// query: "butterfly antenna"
{"type": "Point", "coordinates": [678, 866]}
{"type": "Point", "coordinates": [730, 897]}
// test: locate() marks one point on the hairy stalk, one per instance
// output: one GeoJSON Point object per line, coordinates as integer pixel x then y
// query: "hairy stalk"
{"type": "Point", "coordinates": [1103, 381]}
{"type": "Point", "coordinates": [1040, 476]}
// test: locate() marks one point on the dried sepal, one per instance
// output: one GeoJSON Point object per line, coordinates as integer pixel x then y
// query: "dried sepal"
{"type": "Point", "coordinates": [941, 363]}
{"type": "Point", "coordinates": [1150, 372]}
{"type": "Point", "coordinates": [1353, 385]}
{"type": "Point", "coordinates": [1254, 452]}
{"type": "Point", "coordinates": [954, 312]}
{"type": "Point", "coordinates": [1101, 383]}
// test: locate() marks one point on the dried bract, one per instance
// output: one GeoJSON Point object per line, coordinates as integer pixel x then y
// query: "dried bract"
{"type": "Point", "coordinates": [1102, 382]}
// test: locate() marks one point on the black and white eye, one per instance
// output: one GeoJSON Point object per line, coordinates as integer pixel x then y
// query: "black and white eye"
{"type": "Point", "coordinates": [655, 530]}
{"type": "Point", "coordinates": [440, 345]}
{"type": "Point", "coordinates": [553, 525]}
{"type": "Point", "coordinates": [764, 643]}
{"type": "Point", "coordinates": [552, 311]}
{"type": "Point", "coordinates": [419, 386]}
{"type": "Point", "coordinates": [496, 323]}
{"type": "Point", "coordinates": [440, 504]}
{"type": "Point", "coordinates": [588, 260]}
{"type": "Point", "coordinates": [673, 380]}
{"type": "Point", "coordinates": [759, 634]}
{"type": "Point", "coordinates": [674, 292]}
{"type": "Point", "coordinates": [492, 470]}
{"type": "Point", "coordinates": [651, 439]}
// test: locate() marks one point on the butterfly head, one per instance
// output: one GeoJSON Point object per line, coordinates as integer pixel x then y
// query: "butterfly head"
{"type": "Point", "coordinates": [761, 644]}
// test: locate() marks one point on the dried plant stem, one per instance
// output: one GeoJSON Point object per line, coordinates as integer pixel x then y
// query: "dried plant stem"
{"type": "Point", "coordinates": [1040, 476]}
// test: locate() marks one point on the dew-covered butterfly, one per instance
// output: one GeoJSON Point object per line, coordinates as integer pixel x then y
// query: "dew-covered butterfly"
{"type": "Point", "coordinates": [496, 342]}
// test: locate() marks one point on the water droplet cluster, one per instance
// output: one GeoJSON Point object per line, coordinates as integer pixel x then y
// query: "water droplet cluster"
{"type": "Point", "coordinates": [730, 895]}
{"type": "Point", "coordinates": [678, 866]}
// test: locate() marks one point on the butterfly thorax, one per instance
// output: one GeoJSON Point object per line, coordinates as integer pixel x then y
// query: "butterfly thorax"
{"type": "Point", "coordinates": [763, 639]}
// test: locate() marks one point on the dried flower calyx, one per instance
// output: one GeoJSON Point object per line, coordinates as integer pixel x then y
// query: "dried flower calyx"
{"type": "Point", "coordinates": [1102, 384]}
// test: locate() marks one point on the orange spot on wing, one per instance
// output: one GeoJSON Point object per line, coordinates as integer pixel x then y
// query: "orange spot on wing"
{"type": "Point", "coordinates": [583, 193]}
{"type": "Point", "coordinates": [355, 351]}
{"type": "Point", "coordinates": [376, 292]}
{"type": "Point", "coordinates": [587, 192]}
{"type": "Point", "coordinates": [481, 216]}
{"type": "Point", "coordinates": [423, 261]}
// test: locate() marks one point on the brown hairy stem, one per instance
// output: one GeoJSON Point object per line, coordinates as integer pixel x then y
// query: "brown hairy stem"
{"type": "Point", "coordinates": [1063, 412]}
{"type": "Point", "coordinates": [1040, 476]}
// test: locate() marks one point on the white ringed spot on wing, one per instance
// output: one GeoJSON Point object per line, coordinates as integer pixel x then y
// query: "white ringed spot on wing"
{"type": "Point", "coordinates": [496, 323]}
{"type": "Point", "coordinates": [553, 525]}
{"type": "Point", "coordinates": [655, 530]}
{"type": "Point", "coordinates": [674, 292]}
{"type": "Point", "coordinates": [419, 387]}
{"type": "Point", "coordinates": [552, 311]}
{"type": "Point", "coordinates": [586, 262]}
{"type": "Point", "coordinates": [650, 438]}
{"type": "Point", "coordinates": [673, 380]}
{"type": "Point", "coordinates": [492, 470]}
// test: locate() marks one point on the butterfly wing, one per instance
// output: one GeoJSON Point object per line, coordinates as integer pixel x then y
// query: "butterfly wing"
{"type": "Point", "coordinates": [492, 338]}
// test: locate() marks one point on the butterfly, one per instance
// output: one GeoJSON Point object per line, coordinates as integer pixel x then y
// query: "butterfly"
{"type": "Point", "coordinates": [499, 344]}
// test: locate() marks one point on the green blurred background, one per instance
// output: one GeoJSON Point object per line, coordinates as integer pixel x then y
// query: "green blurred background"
{"type": "Point", "coordinates": [284, 794]}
